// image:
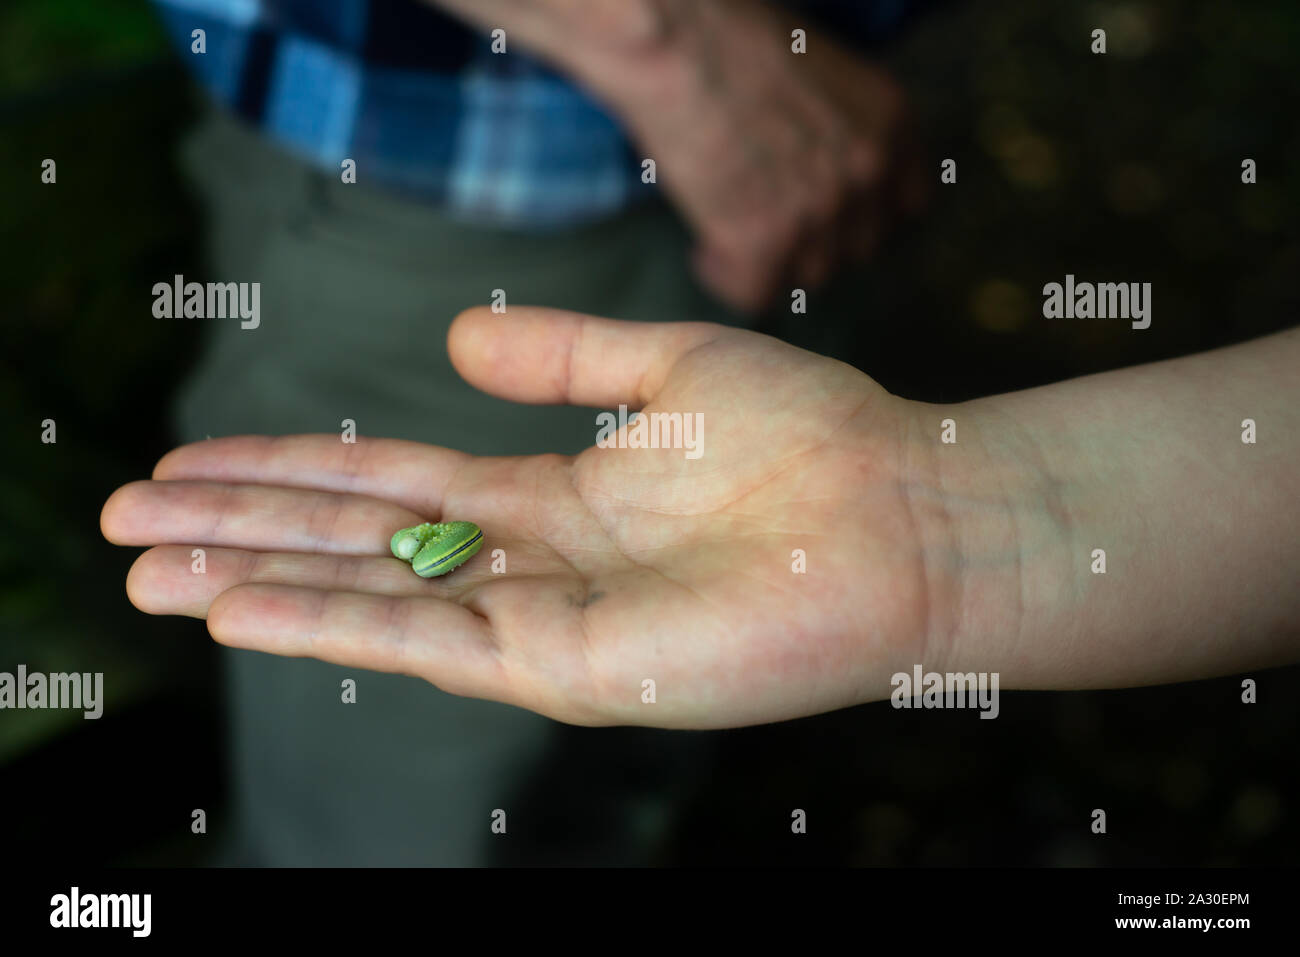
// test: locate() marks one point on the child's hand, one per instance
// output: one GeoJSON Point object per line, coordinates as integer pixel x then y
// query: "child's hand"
{"type": "Point", "coordinates": [822, 540]}
{"type": "Point", "coordinates": [621, 564]}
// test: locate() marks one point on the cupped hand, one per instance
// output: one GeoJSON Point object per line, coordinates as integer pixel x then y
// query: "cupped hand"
{"type": "Point", "coordinates": [777, 574]}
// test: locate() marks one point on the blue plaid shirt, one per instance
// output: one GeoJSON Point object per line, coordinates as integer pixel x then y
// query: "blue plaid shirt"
{"type": "Point", "coordinates": [423, 106]}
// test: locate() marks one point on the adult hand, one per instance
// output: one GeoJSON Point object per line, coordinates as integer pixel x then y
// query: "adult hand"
{"type": "Point", "coordinates": [785, 165]}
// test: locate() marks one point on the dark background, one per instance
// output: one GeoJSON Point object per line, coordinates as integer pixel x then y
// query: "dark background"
{"type": "Point", "coordinates": [1122, 167]}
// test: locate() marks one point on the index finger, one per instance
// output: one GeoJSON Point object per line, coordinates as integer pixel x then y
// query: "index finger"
{"type": "Point", "coordinates": [409, 474]}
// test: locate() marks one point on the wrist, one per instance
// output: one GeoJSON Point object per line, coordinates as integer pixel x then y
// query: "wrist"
{"type": "Point", "coordinates": [638, 80]}
{"type": "Point", "coordinates": [993, 517]}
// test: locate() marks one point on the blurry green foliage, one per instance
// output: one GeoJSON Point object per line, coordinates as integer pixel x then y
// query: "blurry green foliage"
{"type": "Point", "coordinates": [45, 42]}
{"type": "Point", "coordinates": [83, 83]}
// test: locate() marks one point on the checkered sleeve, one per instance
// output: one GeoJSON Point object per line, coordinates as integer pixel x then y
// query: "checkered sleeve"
{"type": "Point", "coordinates": [422, 104]}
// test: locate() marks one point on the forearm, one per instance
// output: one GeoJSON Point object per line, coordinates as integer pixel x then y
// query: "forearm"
{"type": "Point", "coordinates": [1200, 530]}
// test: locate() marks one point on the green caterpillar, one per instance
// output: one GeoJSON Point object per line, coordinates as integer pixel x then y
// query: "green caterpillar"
{"type": "Point", "coordinates": [436, 548]}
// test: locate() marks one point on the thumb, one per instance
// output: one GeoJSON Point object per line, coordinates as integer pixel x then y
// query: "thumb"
{"type": "Point", "coordinates": [551, 356]}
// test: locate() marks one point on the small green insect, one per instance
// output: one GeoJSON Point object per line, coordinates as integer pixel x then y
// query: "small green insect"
{"type": "Point", "coordinates": [436, 548]}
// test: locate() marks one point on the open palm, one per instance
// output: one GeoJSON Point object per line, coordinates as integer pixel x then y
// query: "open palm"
{"type": "Point", "coordinates": [777, 574]}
